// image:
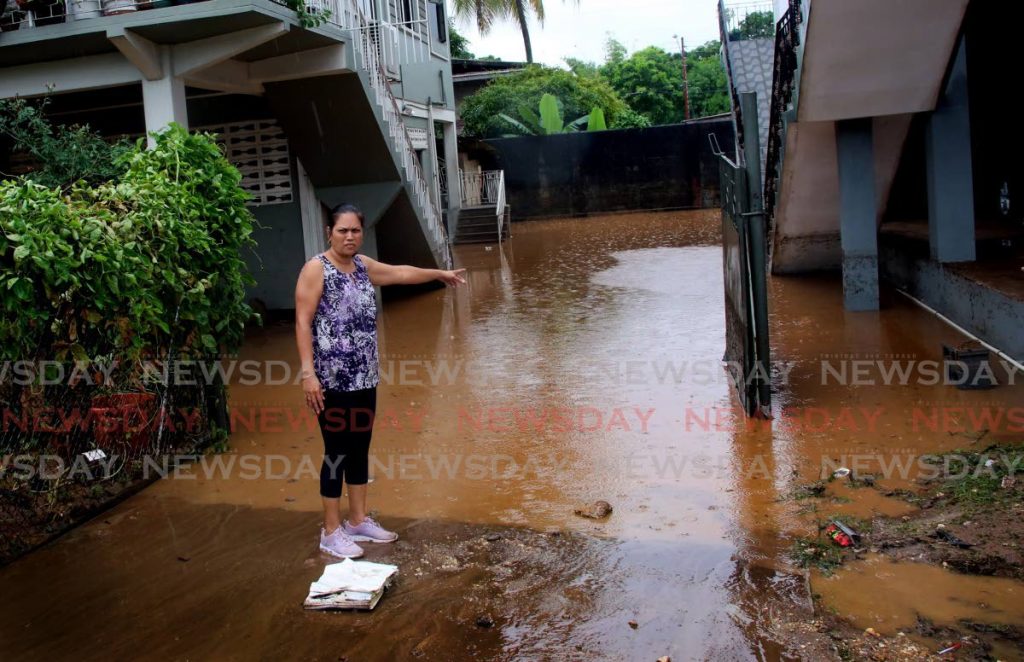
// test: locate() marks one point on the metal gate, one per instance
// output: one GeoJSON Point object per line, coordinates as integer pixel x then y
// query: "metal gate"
{"type": "Point", "coordinates": [744, 262]}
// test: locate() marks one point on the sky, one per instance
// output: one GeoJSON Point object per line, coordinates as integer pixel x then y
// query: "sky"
{"type": "Point", "coordinates": [579, 30]}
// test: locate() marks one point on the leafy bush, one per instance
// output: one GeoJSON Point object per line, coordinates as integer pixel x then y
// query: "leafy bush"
{"type": "Point", "coordinates": [127, 268]}
{"type": "Point", "coordinates": [578, 95]}
{"type": "Point", "coordinates": [547, 119]}
{"type": "Point", "coordinates": [630, 119]}
{"type": "Point", "coordinates": [66, 154]}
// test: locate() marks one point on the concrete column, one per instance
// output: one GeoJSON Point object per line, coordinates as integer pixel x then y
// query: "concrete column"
{"type": "Point", "coordinates": [950, 175]}
{"type": "Point", "coordinates": [858, 228]}
{"type": "Point", "coordinates": [164, 99]}
{"type": "Point", "coordinates": [451, 166]}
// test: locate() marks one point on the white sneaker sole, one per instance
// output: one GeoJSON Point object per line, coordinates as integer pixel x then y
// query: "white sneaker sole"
{"type": "Point", "coordinates": [331, 552]}
{"type": "Point", "coordinates": [369, 539]}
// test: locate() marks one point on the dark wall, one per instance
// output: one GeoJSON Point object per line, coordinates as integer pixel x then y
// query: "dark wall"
{"type": "Point", "coordinates": [993, 33]}
{"type": "Point", "coordinates": [576, 174]}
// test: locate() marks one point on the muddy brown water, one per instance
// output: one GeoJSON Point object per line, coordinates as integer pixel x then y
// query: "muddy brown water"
{"type": "Point", "coordinates": [581, 362]}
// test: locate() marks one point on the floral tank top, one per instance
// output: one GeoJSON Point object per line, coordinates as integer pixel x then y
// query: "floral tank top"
{"type": "Point", "coordinates": [345, 330]}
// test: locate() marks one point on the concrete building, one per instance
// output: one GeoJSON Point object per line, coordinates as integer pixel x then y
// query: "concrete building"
{"type": "Point", "coordinates": [358, 108]}
{"type": "Point", "coordinates": [892, 155]}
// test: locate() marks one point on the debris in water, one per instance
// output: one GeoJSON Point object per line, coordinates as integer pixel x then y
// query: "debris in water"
{"type": "Point", "coordinates": [841, 472]}
{"type": "Point", "coordinates": [596, 510]}
{"type": "Point", "coordinates": [841, 534]}
{"type": "Point", "coordinates": [950, 649]}
{"type": "Point", "coordinates": [184, 559]}
{"type": "Point", "coordinates": [873, 633]}
{"type": "Point", "coordinates": [485, 621]}
{"type": "Point", "coordinates": [350, 585]}
{"type": "Point", "coordinates": [946, 536]}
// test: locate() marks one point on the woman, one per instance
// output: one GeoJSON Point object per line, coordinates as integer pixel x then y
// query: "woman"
{"type": "Point", "coordinates": [336, 331]}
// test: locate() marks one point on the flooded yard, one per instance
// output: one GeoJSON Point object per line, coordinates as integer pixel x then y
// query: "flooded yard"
{"type": "Point", "coordinates": [582, 362]}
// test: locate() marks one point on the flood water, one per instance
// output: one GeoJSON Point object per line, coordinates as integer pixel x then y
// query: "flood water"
{"type": "Point", "coordinates": [581, 362]}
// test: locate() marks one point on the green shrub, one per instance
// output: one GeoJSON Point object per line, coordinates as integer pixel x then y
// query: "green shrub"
{"type": "Point", "coordinates": [578, 96]}
{"type": "Point", "coordinates": [128, 268]}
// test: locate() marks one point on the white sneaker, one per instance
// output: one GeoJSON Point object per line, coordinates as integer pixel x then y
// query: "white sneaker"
{"type": "Point", "coordinates": [369, 531]}
{"type": "Point", "coordinates": [339, 544]}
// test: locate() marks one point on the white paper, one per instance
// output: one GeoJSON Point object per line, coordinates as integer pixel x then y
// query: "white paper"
{"type": "Point", "coordinates": [355, 576]}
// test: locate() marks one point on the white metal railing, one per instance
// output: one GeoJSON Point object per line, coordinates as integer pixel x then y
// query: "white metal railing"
{"type": "Point", "coordinates": [368, 58]}
{"type": "Point", "coordinates": [500, 206]}
{"type": "Point", "coordinates": [482, 187]}
{"type": "Point", "coordinates": [397, 43]}
{"type": "Point", "coordinates": [12, 17]}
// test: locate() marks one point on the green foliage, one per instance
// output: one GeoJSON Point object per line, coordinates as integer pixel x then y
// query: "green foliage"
{"type": "Point", "coordinates": [458, 44]}
{"type": "Point", "coordinates": [66, 154]}
{"type": "Point", "coordinates": [549, 120]}
{"type": "Point", "coordinates": [309, 17]}
{"type": "Point", "coordinates": [582, 68]}
{"type": "Point", "coordinates": [550, 115]}
{"type": "Point", "coordinates": [481, 112]}
{"type": "Point", "coordinates": [650, 81]}
{"type": "Point", "coordinates": [820, 553]}
{"type": "Point", "coordinates": [126, 269]}
{"type": "Point", "coordinates": [755, 25]}
{"type": "Point", "coordinates": [630, 119]}
{"type": "Point", "coordinates": [709, 88]}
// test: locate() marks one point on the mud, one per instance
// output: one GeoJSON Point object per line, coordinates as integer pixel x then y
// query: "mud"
{"type": "Point", "coordinates": [590, 370]}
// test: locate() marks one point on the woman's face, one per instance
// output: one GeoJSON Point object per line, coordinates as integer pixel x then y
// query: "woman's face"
{"type": "Point", "coordinates": [347, 235]}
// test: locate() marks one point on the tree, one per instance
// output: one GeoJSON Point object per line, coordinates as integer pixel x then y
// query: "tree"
{"type": "Point", "coordinates": [650, 81]}
{"type": "Point", "coordinates": [485, 12]}
{"type": "Point", "coordinates": [582, 68]}
{"type": "Point", "coordinates": [709, 89]}
{"type": "Point", "coordinates": [458, 44]}
{"type": "Point", "coordinates": [578, 96]}
{"type": "Point", "coordinates": [755, 25]}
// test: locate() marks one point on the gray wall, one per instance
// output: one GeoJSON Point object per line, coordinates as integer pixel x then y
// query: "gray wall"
{"type": "Point", "coordinates": [576, 174]}
{"type": "Point", "coordinates": [279, 255]}
{"type": "Point", "coordinates": [984, 311]}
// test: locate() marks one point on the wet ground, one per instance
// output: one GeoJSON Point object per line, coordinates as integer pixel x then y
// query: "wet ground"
{"type": "Point", "coordinates": [582, 362]}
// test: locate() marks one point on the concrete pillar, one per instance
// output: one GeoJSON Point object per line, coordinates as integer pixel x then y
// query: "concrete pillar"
{"type": "Point", "coordinates": [950, 175]}
{"type": "Point", "coordinates": [164, 99]}
{"type": "Point", "coordinates": [858, 228]}
{"type": "Point", "coordinates": [451, 166]}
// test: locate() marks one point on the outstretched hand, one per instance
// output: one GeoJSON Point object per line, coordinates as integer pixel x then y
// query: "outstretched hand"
{"type": "Point", "coordinates": [453, 277]}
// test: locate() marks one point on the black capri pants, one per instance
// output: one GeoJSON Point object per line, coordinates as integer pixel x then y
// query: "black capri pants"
{"type": "Point", "coordinates": [346, 424]}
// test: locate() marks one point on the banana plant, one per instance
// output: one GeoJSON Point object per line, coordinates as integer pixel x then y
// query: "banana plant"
{"type": "Point", "coordinates": [549, 120]}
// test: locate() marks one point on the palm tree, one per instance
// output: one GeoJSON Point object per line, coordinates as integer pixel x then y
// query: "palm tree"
{"type": "Point", "coordinates": [485, 12]}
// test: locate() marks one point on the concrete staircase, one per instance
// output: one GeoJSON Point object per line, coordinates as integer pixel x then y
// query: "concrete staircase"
{"type": "Point", "coordinates": [479, 225]}
{"type": "Point", "coordinates": [421, 194]}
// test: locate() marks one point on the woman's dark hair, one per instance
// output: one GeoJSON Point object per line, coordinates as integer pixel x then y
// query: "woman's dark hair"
{"type": "Point", "coordinates": [345, 208]}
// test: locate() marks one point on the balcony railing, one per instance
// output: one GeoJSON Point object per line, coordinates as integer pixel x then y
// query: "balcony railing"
{"type": "Point", "coordinates": [747, 20]}
{"type": "Point", "coordinates": [396, 43]}
{"type": "Point", "coordinates": [482, 187]}
{"type": "Point", "coordinates": [787, 40]}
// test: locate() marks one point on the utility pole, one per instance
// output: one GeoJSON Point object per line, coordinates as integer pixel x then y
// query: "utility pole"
{"type": "Point", "coordinates": [686, 85]}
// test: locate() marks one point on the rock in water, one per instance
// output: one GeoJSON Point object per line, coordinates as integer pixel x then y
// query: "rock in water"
{"type": "Point", "coordinates": [596, 510]}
